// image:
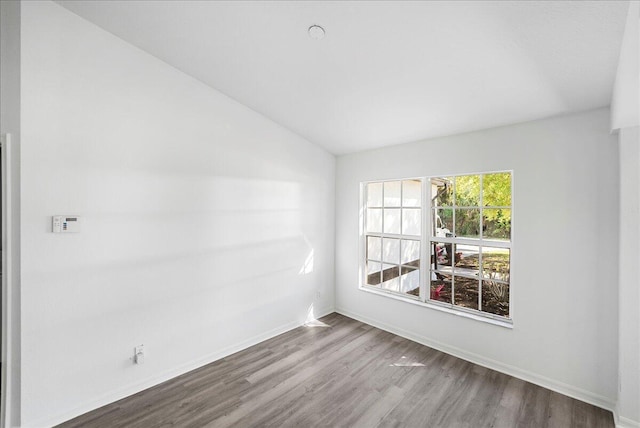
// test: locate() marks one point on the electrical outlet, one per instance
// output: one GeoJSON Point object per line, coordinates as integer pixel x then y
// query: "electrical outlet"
{"type": "Point", "coordinates": [138, 354]}
{"type": "Point", "coordinates": [318, 294]}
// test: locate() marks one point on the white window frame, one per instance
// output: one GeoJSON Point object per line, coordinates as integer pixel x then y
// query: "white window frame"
{"type": "Point", "coordinates": [400, 236]}
{"type": "Point", "coordinates": [426, 240]}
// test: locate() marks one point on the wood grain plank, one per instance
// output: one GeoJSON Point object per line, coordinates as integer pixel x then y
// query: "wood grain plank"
{"type": "Point", "coordinates": [348, 374]}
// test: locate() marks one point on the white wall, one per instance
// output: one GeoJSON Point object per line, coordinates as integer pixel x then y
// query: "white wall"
{"type": "Point", "coordinates": [10, 124]}
{"type": "Point", "coordinates": [564, 265]}
{"type": "Point", "coordinates": [198, 218]}
{"type": "Point", "coordinates": [625, 119]}
{"type": "Point", "coordinates": [628, 408]}
{"type": "Point", "coordinates": [625, 111]}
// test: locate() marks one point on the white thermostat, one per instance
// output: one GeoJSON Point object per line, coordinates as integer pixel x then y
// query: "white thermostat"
{"type": "Point", "coordinates": [66, 224]}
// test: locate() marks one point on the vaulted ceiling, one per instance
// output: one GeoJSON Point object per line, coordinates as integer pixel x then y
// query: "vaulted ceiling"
{"type": "Point", "coordinates": [385, 72]}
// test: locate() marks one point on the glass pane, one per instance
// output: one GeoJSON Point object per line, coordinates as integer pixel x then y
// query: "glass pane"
{"type": "Point", "coordinates": [465, 292]}
{"type": "Point", "coordinates": [390, 277]}
{"type": "Point", "coordinates": [374, 220]}
{"type": "Point", "coordinates": [440, 287]}
{"type": "Point", "coordinates": [391, 250]}
{"type": "Point", "coordinates": [496, 189]}
{"type": "Point", "coordinates": [442, 256]}
{"type": "Point", "coordinates": [374, 248]}
{"type": "Point", "coordinates": [467, 223]}
{"type": "Point", "coordinates": [496, 263]}
{"type": "Point", "coordinates": [495, 298]}
{"type": "Point", "coordinates": [410, 281]}
{"type": "Point", "coordinates": [392, 194]}
{"type": "Point", "coordinates": [373, 272]}
{"type": "Point", "coordinates": [374, 194]}
{"type": "Point", "coordinates": [443, 222]}
{"type": "Point", "coordinates": [496, 223]}
{"type": "Point", "coordinates": [411, 221]}
{"type": "Point", "coordinates": [410, 253]}
{"type": "Point", "coordinates": [411, 193]}
{"type": "Point", "coordinates": [468, 190]}
{"type": "Point", "coordinates": [442, 191]}
{"type": "Point", "coordinates": [467, 259]}
{"type": "Point", "coordinates": [392, 220]}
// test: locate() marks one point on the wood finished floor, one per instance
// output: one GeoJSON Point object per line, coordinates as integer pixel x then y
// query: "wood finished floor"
{"type": "Point", "coordinates": [346, 375]}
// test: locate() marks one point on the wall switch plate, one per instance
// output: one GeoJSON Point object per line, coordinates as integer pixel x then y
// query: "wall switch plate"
{"type": "Point", "coordinates": [65, 224]}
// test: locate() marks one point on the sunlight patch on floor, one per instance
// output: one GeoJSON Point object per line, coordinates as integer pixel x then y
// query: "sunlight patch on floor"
{"type": "Point", "coordinates": [312, 321]}
{"type": "Point", "coordinates": [404, 362]}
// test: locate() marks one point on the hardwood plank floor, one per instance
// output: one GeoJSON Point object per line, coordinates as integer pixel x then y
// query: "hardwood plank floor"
{"type": "Point", "coordinates": [347, 374]}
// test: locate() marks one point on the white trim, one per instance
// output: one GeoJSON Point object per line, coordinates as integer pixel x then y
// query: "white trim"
{"type": "Point", "coordinates": [545, 382]}
{"type": "Point", "coordinates": [481, 249]}
{"type": "Point", "coordinates": [136, 387]}
{"type": "Point", "coordinates": [468, 275]}
{"type": "Point", "coordinates": [393, 235]}
{"type": "Point", "coordinates": [5, 386]}
{"type": "Point", "coordinates": [622, 422]}
{"type": "Point", "coordinates": [362, 239]}
{"type": "Point", "coordinates": [441, 306]}
{"type": "Point", "coordinates": [511, 252]}
{"type": "Point", "coordinates": [425, 263]}
{"type": "Point", "coordinates": [427, 239]}
{"type": "Point", "coordinates": [472, 241]}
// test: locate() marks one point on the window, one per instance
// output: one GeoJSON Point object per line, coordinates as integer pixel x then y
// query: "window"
{"type": "Point", "coordinates": [393, 236]}
{"type": "Point", "coordinates": [445, 241]}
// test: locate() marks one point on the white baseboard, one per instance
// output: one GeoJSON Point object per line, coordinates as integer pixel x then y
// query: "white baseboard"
{"type": "Point", "coordinates": [534, 378]}
{"type": "Point", "coordinates": [134, 388]}
{"type": "Point", "coordinates": [545, 382]}
{"type": "Point", "coordinates": [622, 422]}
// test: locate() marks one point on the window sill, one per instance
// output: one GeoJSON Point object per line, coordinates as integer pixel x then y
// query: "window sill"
{"type": "Point", "coordinates": [499, 322]}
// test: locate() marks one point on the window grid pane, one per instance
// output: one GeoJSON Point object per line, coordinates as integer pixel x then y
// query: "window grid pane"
{"type": "Point", "coordinates": [477, 284]}
{"type": "Point", "coordinates": [392, 194]}
{"type": "Point", "coordinates": [374, 248]}
{"type": "Point", "coordinates": [412, 193]}
{"type": "Point", "coordinates": [394, 210]}
{"type": "Point", "coordinates": [374, 195]}
{"type": "Point", "coordinates": [373, 272]}
{"type": "Point", "coordinates": [469, 240]}
{"type": "Point", "coordinates": [411, 221]}
{"type": "Point", "coordinates": [392, 220]}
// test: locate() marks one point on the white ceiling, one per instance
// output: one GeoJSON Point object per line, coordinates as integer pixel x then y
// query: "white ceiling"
{"type": "Point", "coordinates": [386, 72]}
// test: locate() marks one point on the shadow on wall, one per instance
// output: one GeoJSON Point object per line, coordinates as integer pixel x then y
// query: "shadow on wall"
{"type": "Point", "coordinates": [239, 243]}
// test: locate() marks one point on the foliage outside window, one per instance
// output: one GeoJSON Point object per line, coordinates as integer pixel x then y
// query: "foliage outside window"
{"type": "Point", "coordinates": [466, 238]}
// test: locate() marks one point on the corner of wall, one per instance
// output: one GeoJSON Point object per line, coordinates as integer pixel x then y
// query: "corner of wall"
{"type": "Point", "coordinates": [10, 68]}
{"type": "Point", "coordinates": [625, 111]}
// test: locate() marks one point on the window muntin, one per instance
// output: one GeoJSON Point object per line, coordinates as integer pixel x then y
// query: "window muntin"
{"type": "Point", "coordinates": [466, 238]}
{"type": "Point", "coordinates": [393, 235]}
{"type": "Point", "coordinates": [474, 255]}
